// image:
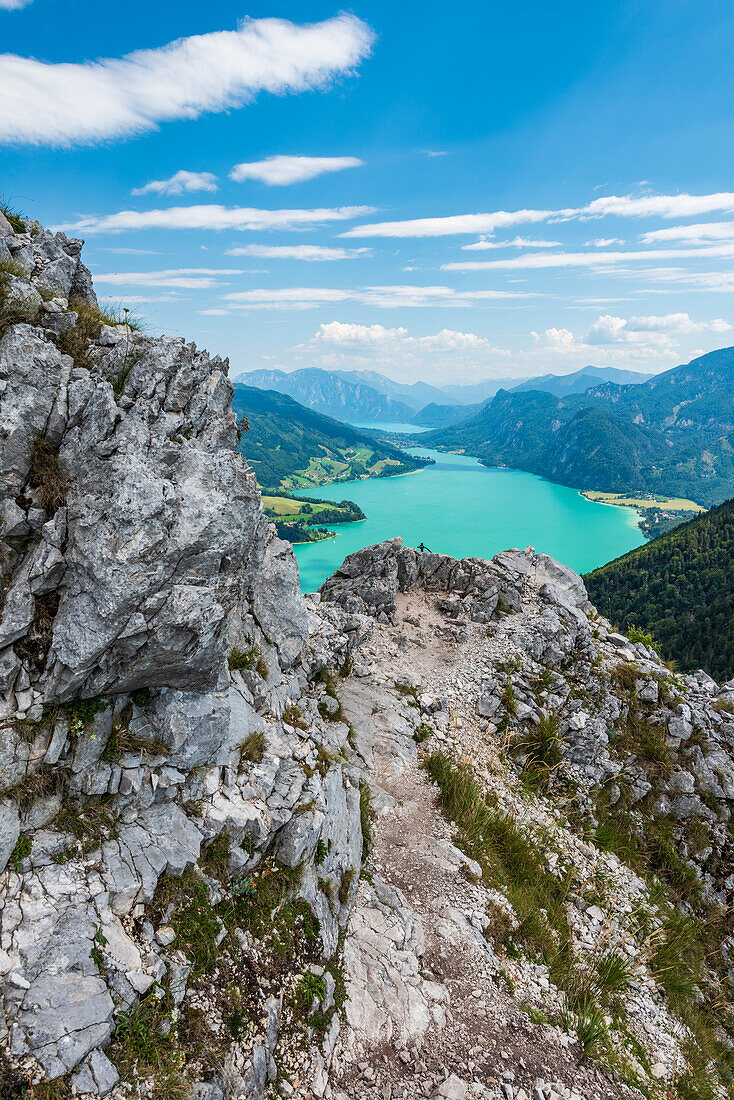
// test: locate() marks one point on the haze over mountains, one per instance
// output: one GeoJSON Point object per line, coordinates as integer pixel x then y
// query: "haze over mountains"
{"type": "Point", "coordinates": [369, 395]}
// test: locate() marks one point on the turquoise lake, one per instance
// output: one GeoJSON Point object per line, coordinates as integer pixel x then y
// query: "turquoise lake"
{"type": "Point", "coordinates": [460, 508]}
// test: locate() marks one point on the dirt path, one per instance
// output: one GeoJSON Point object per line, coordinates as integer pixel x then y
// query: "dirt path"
{"type": "Point", "coordinates": [432, 1002]}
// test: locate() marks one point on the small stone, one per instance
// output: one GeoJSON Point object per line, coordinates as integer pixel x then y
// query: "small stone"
{"type": "Point", "coordinates": [140, 982]}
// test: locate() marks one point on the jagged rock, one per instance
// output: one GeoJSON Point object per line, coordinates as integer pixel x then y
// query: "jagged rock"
{"type": "Point", "coordinates": [97, 1075]}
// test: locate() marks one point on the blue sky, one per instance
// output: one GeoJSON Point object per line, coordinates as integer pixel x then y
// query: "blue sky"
{"type": "Point", "coordinates": [482, 189]}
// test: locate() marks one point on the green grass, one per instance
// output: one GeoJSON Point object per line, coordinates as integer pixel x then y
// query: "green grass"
{"type": "Point", "coordinates": [253, 749]}
{"type": "Point", "coordinates": [144, 1042]}
{"type": "Point", "coordinates": [541, 746]}
{"type": "Point", "coordinates": [294, 716]}
{"type": "Point", "coordinates": [511, 858]}
{"type": "Point", "coordinates": [13, 216]}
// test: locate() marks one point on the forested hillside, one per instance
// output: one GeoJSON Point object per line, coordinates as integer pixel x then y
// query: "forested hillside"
{"type": "Point", "coordinates": [673, 434]}
{"type": "Point", "coordinates": [680, 588]}
{"type": "Point", "coordinates": [290, 446]}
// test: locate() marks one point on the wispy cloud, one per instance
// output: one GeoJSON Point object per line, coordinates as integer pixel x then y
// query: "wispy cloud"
{"type": "Point", "coordinates": [309, 252]}
{"type": "Point", "coordinates": [624, 206]}
{"type": "Point", "coordinates": [189, 278]}
{"type": "Point", "coordinates": [182, 181]}
{"type": "Point", "coordinates": [279, 171]}
{"type": "Point", "coordinates": [451, 226]}
{"type": "Point", "coordinates": [692, 234]}
{"type": "Point", "coordinates": [599, 259]}
{"type": "Point", "coordinates": [13, 5]}
{"type": "Point", "coordinates": [516, 242]}
{"type": "Point", "coordinates": [131, 251]}
{"type": "Point", "coordinates": [210, 217]}
{"type": "Point", "coordinates": [381, 297]}
{"type": "Point", "coordinates": [66, 104]}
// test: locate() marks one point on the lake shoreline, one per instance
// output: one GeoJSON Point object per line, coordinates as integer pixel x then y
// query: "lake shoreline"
{"type": "Point", "coordinates": [464, 509]}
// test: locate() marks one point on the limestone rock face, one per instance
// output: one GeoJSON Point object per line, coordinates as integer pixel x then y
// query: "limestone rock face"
{"type": "Point", "coordinates": [155, 541]}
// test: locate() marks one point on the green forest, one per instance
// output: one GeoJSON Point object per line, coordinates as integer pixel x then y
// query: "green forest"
{"type": "Point", "coordinates": [679, 588]}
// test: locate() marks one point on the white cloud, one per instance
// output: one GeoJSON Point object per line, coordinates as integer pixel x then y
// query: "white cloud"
{"type": "Point", "coordinates": [516, 242]}
{"type": "Point", "coordinates": [309, 252]}
{"type": "Point", "coordinates": [555, 338]}
{"type": "Point", "coordinates": [339, 332]}
{"type": "Point", "coordinates": [179, 183]}
{"type": "Point", "coordinates": [603, 242]}
{"type": "Point", "coordinates": [626, 206]}
{"type": "Point", "coordinates": [652, 330]}
{"type": "Point", "coordinates": [588, 259]}
{"type": "Point", "coordinates": [210, 217]}
{"type": "Point", "coordinates": [693, 234]}
{"type": "Point", "coordinates": [453, 225]}
{"type": "Point", "coordinates": [614, 339]}
{"type": "Point", "coordinates": [649, 206]}
{"type": "Point", "coordinates": [278, 171]}
{"type": "Point", "coordinates": [213, 312]}
{"type": "Point", "coordinates": [66, 104]}
{"type": "Point", "coordinates": [344, 335]}
{"type": "Point", "coordinates": [13, 5]}
{"type": "Point", "coordinates": [380, 297]}
{"type": "Point", "coordinates": [131, 251]}
{"type": "Point", "coordinates": [190, 278]}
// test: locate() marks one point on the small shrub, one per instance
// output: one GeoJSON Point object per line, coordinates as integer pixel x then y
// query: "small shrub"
{"type": "Point", "coordinates": [588, 1022]}
{"type": "Point", "coordinates": [253, 749]}
{"type": "Point", "coordinates": [310, 989]}
{"type": "Point", "coordinates": [626, 674]}
{"type": "Point", "coordinates": [613, 973]}
{"type": "Point", "coordinates": [640, 636]}
{"type": "Point", "coordinates": [408, 691]}
{"type": "Point", "coordinates": [422, 732]}
{"type": "Point", "coordinates": [541, 746]}
{"type": "Point", "coordinates": [321, 853]}
{"type": "Point", "coordinates": [45, 475]}
{"type": "Point", "coordinates": [21, 851]}
{"type": "Point", "coordinates": [365, 817]}
{"type": "Point", "coordinates": [214, 858]}
{"type": "Point", "coordinates": [345, 885]}
{"type": "Point", "coordinates": [237, 1019]}
{"type": "Point", "coordinates": [509, 698]}
{"type": "Point", "coordinates": [251, 659]}
{"type": "Point", "coordinates": [294, 716]}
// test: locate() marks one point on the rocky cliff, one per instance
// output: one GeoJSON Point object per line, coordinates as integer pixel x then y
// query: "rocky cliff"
{"type": "Point", "coordinates": [436, 831]}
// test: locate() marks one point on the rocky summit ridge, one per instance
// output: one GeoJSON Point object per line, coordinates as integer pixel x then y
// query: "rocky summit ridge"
{"type": "Point", "coordinates": [435, 831]}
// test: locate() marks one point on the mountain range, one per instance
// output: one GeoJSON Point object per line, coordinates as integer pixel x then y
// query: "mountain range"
{"type": "Point", "coordinates": [369, 395]}
{"type": "Point", "coordinates": [673, 434]}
